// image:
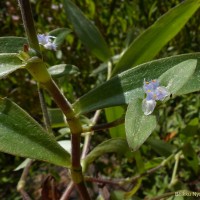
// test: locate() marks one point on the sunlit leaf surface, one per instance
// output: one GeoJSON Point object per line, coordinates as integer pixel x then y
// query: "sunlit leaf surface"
{"type": "Point", "coordinates": [138, 126]}
{"type": "Point", "coordinates": [9, 62]}
{"type": "Point", "coordinates": [126, 86]}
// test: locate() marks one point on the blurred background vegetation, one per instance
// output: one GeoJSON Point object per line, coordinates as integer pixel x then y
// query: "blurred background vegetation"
{"type": "Point", "coordinates": [120, 21]}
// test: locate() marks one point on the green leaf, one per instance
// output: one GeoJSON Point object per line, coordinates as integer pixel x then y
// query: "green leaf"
{"type": "Point", "coordinates": [139, 162]}
{"type": "Point", "coordinates": [128, 85]}
{"type": "Point", "coordinates": [9, 62]}
{"type": "Point", "coordinates": [12, 44]}
{"type": "Point", "coordinates": [60, 70]}
{"type": "Point", "coordinates": [116, 145]}
{"type": "Point", "coordinates": [21, 135]}
{"type": "Point", "coordinates": [60, 34]}
{"type": "Point", "coordinates": [191, 157]}
{"type": "Point", "coordinates": [160, 147]}
{"type": "Point", "coordinates": [87, 31]}
{"type": "Point", "coordinates": [151, 41]}
{"type": "Point", "coordinates": [57, 118]}
{"type": "Point", "coordinates": [117, 195]}
{"type": "Point", "coordinates": [137, 125]}
{"type": "Point", "coordinates": [111, 115]}
{"type": "Point", "coordinates": [177, 76]}
{"type": "Point", "coordinates": [189, 132]}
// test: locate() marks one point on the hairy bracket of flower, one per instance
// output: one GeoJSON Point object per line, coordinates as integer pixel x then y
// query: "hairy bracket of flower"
{"type": "Point", "coordinates": [154, 93]}
{"type": "Point", "coordinates": [47, 41]}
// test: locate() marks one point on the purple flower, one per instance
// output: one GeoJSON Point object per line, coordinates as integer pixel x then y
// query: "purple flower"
{"type": "Point", "coordinates": [47, 41]}
{"type": "Point", "coordinates": [154, 92]}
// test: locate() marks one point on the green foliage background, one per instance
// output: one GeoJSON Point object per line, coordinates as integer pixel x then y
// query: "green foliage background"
{"type": "Point", "coordinates": [118, 21]}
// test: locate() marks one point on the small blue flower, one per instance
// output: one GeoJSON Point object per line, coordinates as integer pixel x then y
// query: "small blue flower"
{"type": "Point", "coordinates": [47, 41]}
{"type": "Point", "coordinates": [154, 92]}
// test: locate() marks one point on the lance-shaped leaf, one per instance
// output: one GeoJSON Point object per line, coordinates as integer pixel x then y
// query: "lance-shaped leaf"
{"type": "Point", "coordinates": [21, 135]}
{"type": "Point", "coordinates": [128, 85]}
{"type": "Point", "coordinates": [12, 44]}
{"type": "Point", "coordinates": [138, 126]}
{"type": "Point", "coordinates": [151, 41]}
{"type": "Point", "coordinates": [87, 31]}
{"type": "Point", "coordinates": [60, 70]}
{"type": "Point", "coordinates": [9, 62]}
{"type": "Point", "coordinates": [115, 145]}
{"type": "Point", "coordinates": [160, 147]}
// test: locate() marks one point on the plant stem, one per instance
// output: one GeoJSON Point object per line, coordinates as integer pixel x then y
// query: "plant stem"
{"type": "Point", "coordinates": [76, 130]}
{"type": "Point", "coordinates": [22, 181]}
{"type": "Point", "coordinates": [103, 181]}
{"type": "Point", "coordinates": [151, 171]}
{"type": "Point", "coordinates": [88, 136]}
{"type": "Point", "coordinates": [65, 106]}
{"type": "Point", "coordinates": [109, 69]}
{"type": "Point", "coordinates": [174, 179]}
{"type": "Point", "coordinates": [28, 22]}
{"type": "Point", "coordinates": [73, 122]}
{"type": "Point", "coordinates": [104, 126]}
{"type": "Point", "coordinates": [133, 179]}
{"type": "Point", "coordinates": [39, 72]}
{"type": "Point", "coordinates": [70, 187]}
{"type": "Point", "coordinates": [68, 191]}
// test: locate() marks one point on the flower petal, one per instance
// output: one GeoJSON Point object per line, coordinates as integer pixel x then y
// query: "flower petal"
{"type": "Point", "coordinates": [161, 93]}
{"type": "Point", "coordinates": [151, 85]}
{"type": "Point", "coordinates": [42, 39]}
{"type": "Point", "coordinates": [47, 41]}
{"type": "Point", "coordinates": [148, 106]}
{"type": "Point", "coordinates": [50, 46]}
